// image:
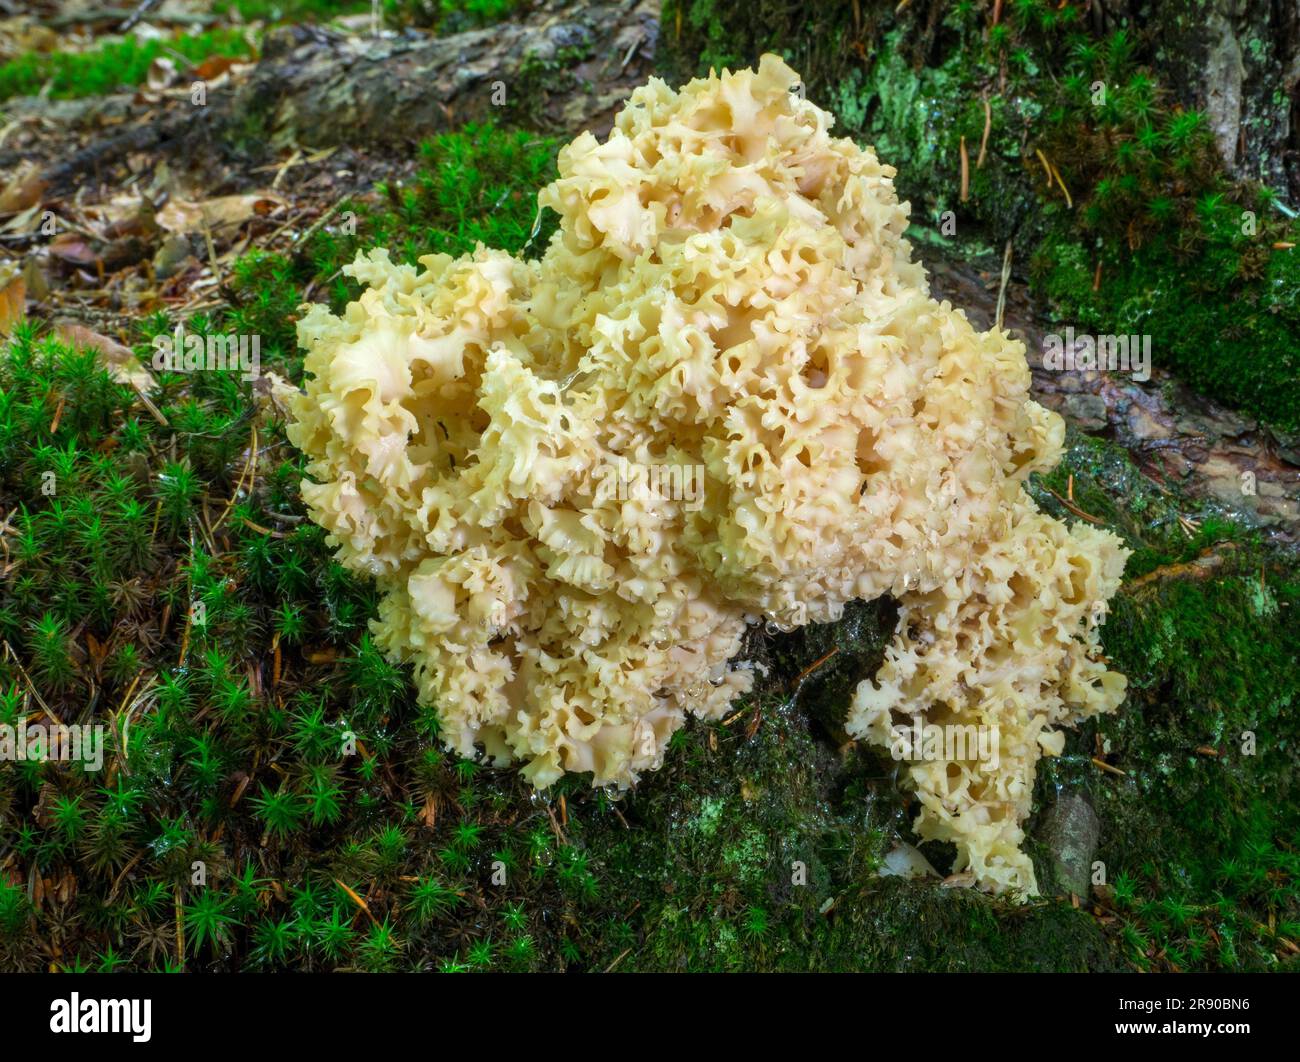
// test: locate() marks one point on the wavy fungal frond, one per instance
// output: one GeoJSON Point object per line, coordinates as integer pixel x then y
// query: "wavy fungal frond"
{"type": "Point", "coordinates": [723, 395]}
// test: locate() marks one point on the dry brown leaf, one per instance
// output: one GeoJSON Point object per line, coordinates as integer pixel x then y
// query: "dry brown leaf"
{"type": "Point", "coordinates": [162, 72]}
{"type": "Point", "coordinates": [13, 297]}
{"type": "Point", "coordinates": [24, 34]}
{"type": "Point", "coordinates": [24, 189]}
{"type": "Point", "coordinates": [72, 248]}
{"type": "Point", "coordinates": [67, 887]}
{"type": "Point", "coordinates": [120, 209]}
{"type": "Point", "coordinates": [24, 220]}
{"type": "Point", "coordinates": [120, 361]}
{"type": "Point", "coordinates": [34, 277]}
{"type": "Point", "coordinates": [213, 67]}
{"type": "Point", "coordinates": [183, 216]}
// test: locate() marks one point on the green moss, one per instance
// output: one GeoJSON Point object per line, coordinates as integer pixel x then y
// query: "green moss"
{"type": "Point", "coordinates": [275, 749]}
{"type": "Point", "coordinates": [542, 77]}
{"type": "Point", "coordinates": [908, 115]}
{"type": "Point", "coordinates": [759, 843]}
{"type": "Point", "coordinates": [288, 10]}
{"type": "Point", "coordinates": [1204, 818]}
{"type": "Point", "coordinates": [697, 35]}
{"type": "Point", "coordinates": [1198, 833]}
{"type": "Point", "coordinates": [778, 868]}
{"type": "Point", "coordinates": [112, 66]}
{"type": "Point", "coordinates": [1230, 336]}
{"type": "Point", "coordinates": [448, 16]}
{"type": "Point", "coordinates": [1112, 194]}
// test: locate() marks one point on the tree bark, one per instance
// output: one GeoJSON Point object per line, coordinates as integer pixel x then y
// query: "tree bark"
{"type": "Point", "coordinates": [1238, 61]}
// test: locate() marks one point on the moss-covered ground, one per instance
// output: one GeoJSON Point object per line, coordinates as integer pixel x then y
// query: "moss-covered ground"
{"type": "Point", "coordinates": [114, 65]}
{"type": "Point", "coordinates": [273, 798]}
{"type": "Point", "coordinates": [124, 62]}
{"type": "Point", "coordinates": [1111, 194]}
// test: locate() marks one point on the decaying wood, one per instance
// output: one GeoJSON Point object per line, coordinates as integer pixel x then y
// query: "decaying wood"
{"type": "Point", "coordinates": [565, 66]}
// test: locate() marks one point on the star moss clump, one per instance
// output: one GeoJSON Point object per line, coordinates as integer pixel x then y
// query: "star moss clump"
{"type": "Point", "coordinates": [265, 769]}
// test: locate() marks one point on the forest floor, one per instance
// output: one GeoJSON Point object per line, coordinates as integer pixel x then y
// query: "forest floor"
{"type": "Point", "coordinates": [124, 213]}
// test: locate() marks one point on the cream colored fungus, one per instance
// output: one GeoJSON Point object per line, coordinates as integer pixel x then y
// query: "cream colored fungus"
{"type": "Point", "coordinates": [728, 301]}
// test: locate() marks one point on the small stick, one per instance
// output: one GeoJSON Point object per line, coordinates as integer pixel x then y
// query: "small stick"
{"type": "Point", "coordinates": [315, 225]}
{"type": "Point", "coordinates": [1047, 169]}
{"type": "Point", "coordinates": [58, 415]}
{"type": "Point", "coordinates": [30, 684]}
{"type": "Point", "coordinates": [212, 251]}
{"type": "Point", "coordinates": [555, 826]}
{"type": "Point", "coordinates": [249, 464]}
{"type": "Point", "coordinates": [984, 140]}
{"type": "Point", "coordinates": [1002, 286]}
{"type": "Point", "coordinates": [1073, 508]}
{"type": "Point", "coordinates": [1069, 201]}
{"type": "Point", "coordinates": [118, 883]}
{"type": "Point", "coordinates": [180, 932]}
{"type": "Point", "coordinates": [357, 900]}
{"type": "Point", "coordinates": [263, 530]}
{"type": "Point", "coordinates": [135, 16]}
{"type": "Point", "coordinates": [813, 667]}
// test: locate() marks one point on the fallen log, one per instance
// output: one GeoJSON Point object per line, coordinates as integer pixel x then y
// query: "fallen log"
{"type": "Point", "coordinates": [564, 67]}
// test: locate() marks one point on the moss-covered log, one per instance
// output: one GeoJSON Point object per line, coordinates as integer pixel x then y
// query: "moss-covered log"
{"type": "Point", "coordinates": [566, 66]}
